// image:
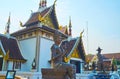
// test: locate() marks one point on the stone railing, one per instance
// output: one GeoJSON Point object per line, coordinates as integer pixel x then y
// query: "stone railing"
{"type": "Point", "coordinates": [24, 75]}
{"type": "Point", "coordinates": [37, 75]}
{"type": "Point", "coordinates": [84, 76]}
{"type": "Point", "coordinates": [29, 75]}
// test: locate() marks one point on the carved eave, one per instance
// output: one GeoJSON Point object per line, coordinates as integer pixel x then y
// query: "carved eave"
{"type": "Point", "coordinates": [36, 28]}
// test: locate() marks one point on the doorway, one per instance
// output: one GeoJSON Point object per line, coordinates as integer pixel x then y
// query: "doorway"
{"type": "Point", "coordinates": [77, 64]}
{"type": "Point", "coordinates": [1, 63]}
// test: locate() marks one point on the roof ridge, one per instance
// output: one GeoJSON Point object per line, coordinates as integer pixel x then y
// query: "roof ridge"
{"type": "Point", "coordinates": [47, 12]}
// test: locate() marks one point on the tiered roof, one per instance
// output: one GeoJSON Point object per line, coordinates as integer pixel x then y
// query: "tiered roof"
{"type": "Point", "coordinates": [48, 15]}
{"type": "Point", "coordinates": [10, 48]}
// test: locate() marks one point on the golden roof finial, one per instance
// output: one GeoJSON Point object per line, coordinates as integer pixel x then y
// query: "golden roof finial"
{"type": "Point", "coordinates": [81, 33]}
{"type": "Point", "coordinates": [7, 55]}
{"type": "Point", "coordinates": [55, 2]}
{"type": "Point", "coordinates": [21, 24]}
{"type": "Point", "coordinates": [43, 3]}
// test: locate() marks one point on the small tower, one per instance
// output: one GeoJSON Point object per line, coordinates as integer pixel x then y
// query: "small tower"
{"type": "Point", "coordinates": [42, 5]}
{"type": "Point", "coordinates": [7, 26]}
{"type": "Point", "coordinates": [70, 26]}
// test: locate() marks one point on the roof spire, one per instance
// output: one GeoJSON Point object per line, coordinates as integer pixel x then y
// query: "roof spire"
{"type": "Point", "coordinates": [42, 5]}
{"type": "Point", "coordinates": [81, 33]}
{"type": "Point", "coordinates": [8, 25]}
{"type": "Point", "coordinates": [55, 2]}
{"type": "Point", "coordinates": [70, 26]}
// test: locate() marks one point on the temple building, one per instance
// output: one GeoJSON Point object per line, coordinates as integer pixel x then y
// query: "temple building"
{"type": "Point", "coordinates": [109, 59]}
{"type": "Point", "coordinates": [75, 53]}
{"type": "Point", "coordinates": [32, 43]}
{"type": "Point", "coordinates": [10, 52]}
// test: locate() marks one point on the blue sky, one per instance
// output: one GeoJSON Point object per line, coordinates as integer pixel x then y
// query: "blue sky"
{"type": "Point", "coordinates": [102, 17]}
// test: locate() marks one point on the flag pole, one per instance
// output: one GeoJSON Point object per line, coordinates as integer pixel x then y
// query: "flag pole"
{"type": "Point", "coordinates": [87, 37]}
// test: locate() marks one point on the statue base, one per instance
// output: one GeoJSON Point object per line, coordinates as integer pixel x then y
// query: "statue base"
{"type": "Point", "coordinates": [33, 70]}
{"type": "Point", "coordinates": [53, 73]}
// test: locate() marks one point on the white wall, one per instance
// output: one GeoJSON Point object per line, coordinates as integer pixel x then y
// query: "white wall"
{"type": "Point", "coordinates": [28, 47]}
{"type": "Point", "coordinates": [45, 53]}
{"type": "Point", "coordinates": [10, 65]}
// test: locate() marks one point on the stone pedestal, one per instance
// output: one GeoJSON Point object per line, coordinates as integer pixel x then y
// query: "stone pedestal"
{"type": "Point", "coordinates": [102, 76]}
{"type": "Point", "coordinates": [53, 73]}
{"type": "Point", "coordinates": [33, 70]}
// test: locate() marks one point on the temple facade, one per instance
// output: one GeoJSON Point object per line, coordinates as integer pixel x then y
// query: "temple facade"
{"type": "Point", "coordinates": [33, 43]}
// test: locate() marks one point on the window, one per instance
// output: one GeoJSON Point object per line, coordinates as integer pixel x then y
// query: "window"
{"type": "Point", "coordinates": [17, 65]}
{"type": "Point", "coordinates": [78, 63]}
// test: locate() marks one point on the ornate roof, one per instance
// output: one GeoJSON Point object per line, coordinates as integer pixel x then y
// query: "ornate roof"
{"type": "Point", "coordinates": [10, 47]}
{"type": "Point", "coordinates": [64, 30]}
{"type": "Point", "coordinates": [72, 46]}
{"type": "Point", "coordinates": [48, 15]}
{"type": "Point", "coordinates": [68, 45]}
